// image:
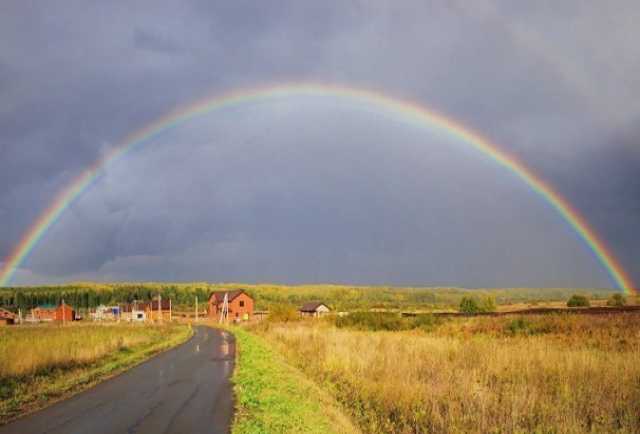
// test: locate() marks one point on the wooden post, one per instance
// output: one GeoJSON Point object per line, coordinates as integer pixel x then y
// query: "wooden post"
{"type": "Point", "coordinates": [159, 308]}
{"type": "Point", "coordinates": [63, 313]}
{"type": "Point", "coordinates": [170, 311]}
{"type": "Point", "coordinates": [196, 308]}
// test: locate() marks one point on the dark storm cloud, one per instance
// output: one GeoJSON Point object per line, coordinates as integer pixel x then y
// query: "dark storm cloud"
{"type": "Point", "coordinates": [554, 84]}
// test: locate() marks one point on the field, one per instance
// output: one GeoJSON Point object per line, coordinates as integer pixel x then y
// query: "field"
{"type": "Point", "coordinates": [39, 364]}
{"type": "Point", "coordinates": [553, 373]}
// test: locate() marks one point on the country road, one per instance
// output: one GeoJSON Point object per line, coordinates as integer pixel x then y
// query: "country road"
{"type": "Point", "coordinates": [184, 390]}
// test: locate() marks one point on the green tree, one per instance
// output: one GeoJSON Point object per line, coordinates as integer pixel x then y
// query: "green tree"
{"type": "Point", "coordinates": [577, 300]}
{"type": "Point", "coordinates": [616, 300]}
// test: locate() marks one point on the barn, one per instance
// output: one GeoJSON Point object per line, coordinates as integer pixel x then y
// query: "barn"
{"type": "Point", "coordinates": [7, 317]}
{"type": "Point", "coordinates": [314, 308]}
{"type": "Point", "coordinates": [240, 304]}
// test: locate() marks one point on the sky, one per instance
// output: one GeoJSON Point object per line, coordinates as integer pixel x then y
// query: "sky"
{"type": "Point", "coordinates": [306, 190]}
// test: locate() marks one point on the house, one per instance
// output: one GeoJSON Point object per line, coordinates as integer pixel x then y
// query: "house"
{"type": "Point", "coordinates": [147, 310]}
{"type": "Point", "coordinates": [7, 317]}
{"type": "Point", "coordinates": [106, 313]}
{"type": "Point", "coordinates": [158, 310]}
{"type": "Point", "coordinates": [43, 313]}
{"type": "Point", "coordinates": [64, 312]}
{"type": "Point", "coordinates": [240, 304]}
{"type": "Point", "coordinates": [314, 308]}
{"type": "Point", "coordinates": [133, 312]}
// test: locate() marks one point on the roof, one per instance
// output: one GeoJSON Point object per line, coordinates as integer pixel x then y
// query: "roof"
{"type": "Point", "coordinates": [4, 313]}
{"type": "Point", "coordinates": [219, 295]}
{"type": "Point", "coordinates": [165, 304]}
{"type": "Point", "coordinates": [312, 306]}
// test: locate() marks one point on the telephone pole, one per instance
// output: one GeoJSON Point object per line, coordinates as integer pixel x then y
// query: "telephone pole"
{"type": "Point", "coordinates": [196, 308]}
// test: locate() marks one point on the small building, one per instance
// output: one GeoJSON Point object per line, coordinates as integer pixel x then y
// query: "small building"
{"type": "Point", "coordinates": [240, 304]}
{"type": "Point", "coordinates": [43, 313]}
{"type": "Point", "coordinates": [133, 312]}
{"type": "Point", "coordinates": [64, 312]}
{"type": "Point", "coordinates": [314, 308]}
{"type": "Point", "coordinates": [105, 313]}
{"type": "Point", "coordinates": [7, 317]}
{"type": "Point", "coordinates": [158, 310]}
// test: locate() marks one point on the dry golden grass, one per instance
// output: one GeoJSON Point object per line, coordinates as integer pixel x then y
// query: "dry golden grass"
{"type": "Point", "coordinates": [568, 374]}
{"type": "Point", "coordinates": [29, 350]}
{"type": "Point", "coordinates": [41, 364]}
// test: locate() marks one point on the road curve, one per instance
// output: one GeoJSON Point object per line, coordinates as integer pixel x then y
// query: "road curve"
{"type": "Point", "coordinates": [184, 390]}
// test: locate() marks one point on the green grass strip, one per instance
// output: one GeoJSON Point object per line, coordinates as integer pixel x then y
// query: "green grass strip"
{"type": "Point", "coordinates": [274, 397]}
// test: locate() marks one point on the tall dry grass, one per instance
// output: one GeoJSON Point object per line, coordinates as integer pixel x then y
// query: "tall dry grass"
{"type": "Point", "coordinates": [554, 374]}
{"type": "Point", "coordinates": [31, 350]}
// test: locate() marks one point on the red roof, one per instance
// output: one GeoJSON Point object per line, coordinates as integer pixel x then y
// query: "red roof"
{"type": "Point", "coordinates": [219, 295]}
{"type": "Point", "coordinates": [4, 313]}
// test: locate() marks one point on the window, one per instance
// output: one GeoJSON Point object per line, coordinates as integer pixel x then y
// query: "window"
{"type": "Point", "coordinates": [241, 303]}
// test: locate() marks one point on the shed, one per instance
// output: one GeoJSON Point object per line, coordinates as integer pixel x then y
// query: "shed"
{"type": "Point", "coordinates": [314, 308]}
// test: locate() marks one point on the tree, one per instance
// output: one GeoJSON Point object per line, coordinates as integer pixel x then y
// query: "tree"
{"type": "Point", "coordinates": [577, 300]}
{"type": "Point", "coordinates": [616, 300]}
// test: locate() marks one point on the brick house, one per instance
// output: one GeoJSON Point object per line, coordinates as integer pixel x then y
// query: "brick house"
{"type": "Point", "coordinates": [240, 304]}
{"type": "Point", "coordinates": [43, 313]}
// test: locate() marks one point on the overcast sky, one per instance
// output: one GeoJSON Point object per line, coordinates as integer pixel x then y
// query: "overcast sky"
{"type": "Point", "coordinates": [320, 189]}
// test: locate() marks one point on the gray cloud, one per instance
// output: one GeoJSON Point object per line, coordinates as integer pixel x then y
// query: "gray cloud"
{"type": "Point", "coordinates": [319, 190]}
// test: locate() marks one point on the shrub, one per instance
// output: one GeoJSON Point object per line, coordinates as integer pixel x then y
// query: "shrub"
{"type": "Point", "coordinates": [283, 313]}
{"type": "Point", "coordinates": [373, 321]}
{"type": "Point", "coordinates": [474, 305]}
{"type": "Point", "coordinates": [616, 300]}
{"type": "Point", "coordinates": [469, 305]}
{"type": "Point", "coordinates": [577, 300]}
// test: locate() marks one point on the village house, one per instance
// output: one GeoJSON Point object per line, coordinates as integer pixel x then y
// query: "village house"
{"type": "Point", "coordinates": [314, 308]}
{"type": "Point", "coordinates": [240, 304]}
{"type": "Point", "coordinates": [154, 314]}
{"type": "Point", "coordinates": [147, 310]}
{"type": "Point", "coordinates": [133, 312]}
{"type": "Point", "coordinates": [43, 313]}
{"type": "Point", "coordinates": [7, 317]}
{"type": "Point", "coordinates": [63, 312]}
{"type": "Point", "coordinates": [105, 313]}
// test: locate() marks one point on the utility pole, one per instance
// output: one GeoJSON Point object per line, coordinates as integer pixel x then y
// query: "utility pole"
{"type": "Point", "coordinates": [159, 308]}
{"type": "Point", "coordinates": [170, 311]}
{"type": "Point", "coordinates": [196, 308]}
{"type": "Point", "coordinates": [63, 313]}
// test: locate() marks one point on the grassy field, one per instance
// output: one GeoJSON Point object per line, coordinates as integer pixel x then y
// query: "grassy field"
{"type": "Point", "coordinates": [40, 364]}
{"type": "Point", "coordinates": [547, 374]}
{"type": "Point", "coordinates": [273, 397]}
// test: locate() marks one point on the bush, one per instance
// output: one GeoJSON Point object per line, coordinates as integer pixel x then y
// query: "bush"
{"type": "Point", "coordinates": [474, 305]}
{"type": "Point", "coordinates": [616, 300]}
{"type": "Point", "coordinates": [469, 305]}
{"type": "Point", "coordinates": [373, 321]}
{"type": "Point", "coordinates": [283, 313]}
{"type": "Point", "coordinates": [577, 300]}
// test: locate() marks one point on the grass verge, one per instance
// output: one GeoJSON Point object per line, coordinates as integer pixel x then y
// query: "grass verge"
{"type": "Point", "coordinates": [40, 365]}
{"type": "Point", "coordinates": [274, 397]}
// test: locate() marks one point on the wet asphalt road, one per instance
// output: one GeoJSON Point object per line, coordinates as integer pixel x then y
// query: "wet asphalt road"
{"type": "Point", "coordinates": [184, 390]}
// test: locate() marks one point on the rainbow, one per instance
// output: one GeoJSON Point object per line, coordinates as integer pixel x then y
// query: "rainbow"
{"type": "Point", "coordinates": [405, 110]}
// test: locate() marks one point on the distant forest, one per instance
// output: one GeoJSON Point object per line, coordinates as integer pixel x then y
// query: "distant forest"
{"type": "Point", "coordinates": [339, 297]}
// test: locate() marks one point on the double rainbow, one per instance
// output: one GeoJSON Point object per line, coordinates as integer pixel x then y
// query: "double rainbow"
{"type": "Point", "coordinates": [407, 111]}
